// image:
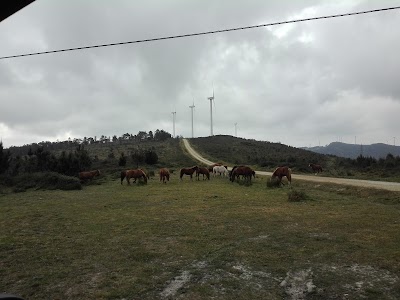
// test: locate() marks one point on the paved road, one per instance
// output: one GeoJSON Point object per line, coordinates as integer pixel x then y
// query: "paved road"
{"type": "Point", "coordinates": [390, 186]}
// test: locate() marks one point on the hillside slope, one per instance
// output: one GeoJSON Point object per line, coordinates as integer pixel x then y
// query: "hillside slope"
{"type": "Point", "coordinates": [266, 155]}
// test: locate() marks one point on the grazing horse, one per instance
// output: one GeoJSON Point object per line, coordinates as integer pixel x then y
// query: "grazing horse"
{"type": "Point", "coordinates": [204, 171]}
{"type": "Point", "coordinates": [211, 167]}
{"type": "Point", "coordinates": [282, 172]}
{"type": "Point", "coordinates": [220, 170]}
{"type": "Point", "coordinates": [316, 168]}
{"type": "Point", "coordinates": [83, 176]}
{"type": "Point", "coordinates": [188, 171]}
{"type": "Point", "coordinates": [128, 174]}
{"type": "Point", "coordinates": [245, 171]}
{"type": "Point", "coordinates": [231, 171]}
{"type": "Point", "coordinates": [164, 175]}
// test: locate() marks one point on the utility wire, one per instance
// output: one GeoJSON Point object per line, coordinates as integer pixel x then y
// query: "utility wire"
{"type": "Point", "coordinates": [205, 32]}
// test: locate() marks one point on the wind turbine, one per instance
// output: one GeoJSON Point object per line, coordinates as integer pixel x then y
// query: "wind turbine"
{"type": "Point", "coordinates": [173, 120]}
{"type": "Point", "coordinates": [191, 107]}
{"type": "Point", "coordinates": [211, 100]}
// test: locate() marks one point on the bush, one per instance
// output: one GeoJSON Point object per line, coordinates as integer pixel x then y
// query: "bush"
{"type": "Point", "coordinates": [47, 181]}
{"type": "Point", "coordinates": [296, 196]}
{"type": "Point", "coordinates": [122, 160]}
{"type": "Point", "coordinates": [151, 157]}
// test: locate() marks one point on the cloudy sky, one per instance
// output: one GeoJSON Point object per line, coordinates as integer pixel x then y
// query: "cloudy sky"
{"type": "Point", "coordinates": [302, 84]}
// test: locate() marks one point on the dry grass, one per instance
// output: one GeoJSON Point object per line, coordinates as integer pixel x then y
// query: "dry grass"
{"type": "Point", "coordinates": [200, 239]}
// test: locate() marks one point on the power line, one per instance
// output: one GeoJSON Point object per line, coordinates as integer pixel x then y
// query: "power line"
{"type": "Point", "coordinates": [204, 33]}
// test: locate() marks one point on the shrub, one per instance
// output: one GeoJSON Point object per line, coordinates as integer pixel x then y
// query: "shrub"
{"type": "Point", "coordinates": [46, 180]}
{"type": "Point", "coordinates": [122, 160]}
{"type": "Point", "coordinates": [151, 157]}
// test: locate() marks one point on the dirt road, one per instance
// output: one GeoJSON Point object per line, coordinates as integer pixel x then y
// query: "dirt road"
{"type": "Point", "coordinates": [390, 186]}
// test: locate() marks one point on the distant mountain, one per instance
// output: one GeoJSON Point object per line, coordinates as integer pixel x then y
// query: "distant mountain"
{"type": "Point", "coordinates": [353, 151]}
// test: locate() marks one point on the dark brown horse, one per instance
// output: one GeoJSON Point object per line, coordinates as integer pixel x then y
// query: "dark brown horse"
{"type": "Point", "coordinates": [135, 174]}
{"type": "Point", "coordinates": [204, 171]}
{"type": "Point", "coordinates": [83, 176]}
{"type": "Point", "coordinates": [164, 175]}
{"type": "Point", "coordinates": [244, 171]}
{"type": "Point", "coordinates": [188, 171]}
{"type": "Point", "coordinates": [316, 168]}
{"type": "Point", "coordinates": [282, 172]}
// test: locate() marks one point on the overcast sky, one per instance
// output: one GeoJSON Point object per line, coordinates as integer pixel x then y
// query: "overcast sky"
{"type": "Point", "coordinates": [302, 84]}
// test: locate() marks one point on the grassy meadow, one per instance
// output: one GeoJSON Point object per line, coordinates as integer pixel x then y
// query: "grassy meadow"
{"type": "Point", "coordinates": [200, 240]}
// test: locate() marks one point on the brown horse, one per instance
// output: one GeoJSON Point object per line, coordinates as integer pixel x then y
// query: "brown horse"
{"type": "Point", "coordinates": [188, 171]}
{"type": "Point", "coordinates": [316, 168]}
{"type": "Point", "coordinates": [204, 171]}
{"type": "Point", "coordinates": [282, 172]}
{"type": "Point", "coordinates": [244, 171]}
{"type": "Point", "coordinates": [128, 174]}
{"type": "Point", "coordinates": [164, 175]}
{"type": "Point", "coordinates": [83, 176]}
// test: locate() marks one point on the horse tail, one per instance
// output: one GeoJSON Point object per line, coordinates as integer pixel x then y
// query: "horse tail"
{"type": "Point", "coordinates": [123, 175]}
{"type": "Point", "coordinates": [289, 177]}
{"type": "Point", "coordinates": [144, 176]}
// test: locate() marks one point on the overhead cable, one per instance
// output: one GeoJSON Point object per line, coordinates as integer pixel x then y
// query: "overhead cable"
{"type": "Point", "coordinates": [203, 33]}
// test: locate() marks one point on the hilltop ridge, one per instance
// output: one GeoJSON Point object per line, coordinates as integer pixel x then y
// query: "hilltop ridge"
{"type": "Point", "coordinates": [378, 150]}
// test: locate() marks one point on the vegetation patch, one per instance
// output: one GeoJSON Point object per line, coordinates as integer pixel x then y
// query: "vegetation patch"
{"type": "Point", "coordinates": [297, 196]}
{"type": "Point", "coordinates": [46, 181]}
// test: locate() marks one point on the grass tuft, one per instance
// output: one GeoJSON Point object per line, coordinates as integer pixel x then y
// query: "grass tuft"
{"type": "Point", "coordinates": [297, 196]}
{"type": "Point", "coordinates": [273, 183]}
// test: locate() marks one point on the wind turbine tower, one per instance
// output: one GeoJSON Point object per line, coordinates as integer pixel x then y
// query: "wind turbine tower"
{"type": "Point", "coordinates": [173, 121]}
{"type": "Point", "coordinates": [191, 107]}
{"type": "Point", "coordinates": [211, 100]}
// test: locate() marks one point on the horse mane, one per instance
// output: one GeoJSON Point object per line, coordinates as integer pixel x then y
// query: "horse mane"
{"type": "Point", "coordinates": [274, 173]}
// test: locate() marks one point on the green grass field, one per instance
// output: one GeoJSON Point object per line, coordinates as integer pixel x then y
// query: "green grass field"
{"type": "Point", "coordinates": [200, 240]}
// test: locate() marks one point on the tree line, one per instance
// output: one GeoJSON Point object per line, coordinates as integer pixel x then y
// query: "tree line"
{"type": "Point", "coordinates": [158, 135]}
{"type": "Point", "coordinates": [74, 157]}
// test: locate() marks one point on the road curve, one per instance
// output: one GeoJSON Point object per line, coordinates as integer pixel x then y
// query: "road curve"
{"type": "Point", "coordinates": [383, 185]}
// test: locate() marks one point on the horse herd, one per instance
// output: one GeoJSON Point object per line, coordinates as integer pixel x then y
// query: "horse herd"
{"type": "Point", "coordinates": [217, 169]}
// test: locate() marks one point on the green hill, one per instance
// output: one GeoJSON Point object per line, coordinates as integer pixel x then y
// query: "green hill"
{"type": "Point", "coordinates": [262, 155]}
